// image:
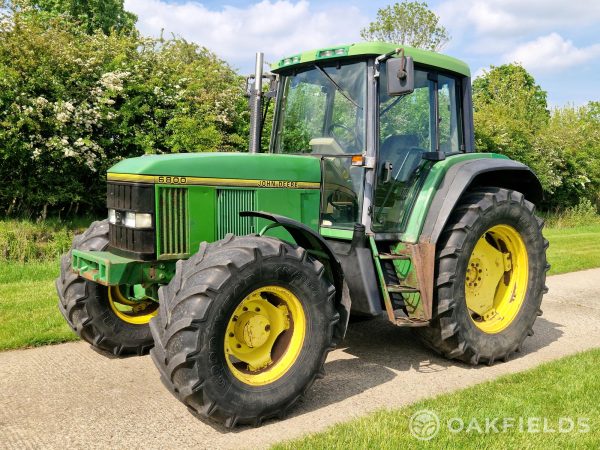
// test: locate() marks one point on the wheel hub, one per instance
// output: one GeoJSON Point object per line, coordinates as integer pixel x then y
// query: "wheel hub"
{"type": "Point", "coordinates": [253, 329]}
{"type": "Point", "coordinates": [474, 272]}
{"type": "Point", "coordinates": [264, 335]}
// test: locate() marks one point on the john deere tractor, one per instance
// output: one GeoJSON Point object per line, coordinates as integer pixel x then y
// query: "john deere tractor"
{"type": "Point", "coordinates": [238, 271]}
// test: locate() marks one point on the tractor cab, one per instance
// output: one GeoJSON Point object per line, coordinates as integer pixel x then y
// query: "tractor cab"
{"type": "Point", "coordinates": [376, 141]}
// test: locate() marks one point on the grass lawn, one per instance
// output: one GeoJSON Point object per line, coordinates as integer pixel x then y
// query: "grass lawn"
{"type": "Point", "coordinates": [29, 315]}
{"type": "Point", "coordinates": [573, 249]}
{"type": "Point", "coordinates": [28, 306]}
{"type": "Point", "coordinates": [563, 390]}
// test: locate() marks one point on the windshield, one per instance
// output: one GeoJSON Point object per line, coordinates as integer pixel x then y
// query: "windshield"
{"type": "Point", "coordinates": [322, 110]}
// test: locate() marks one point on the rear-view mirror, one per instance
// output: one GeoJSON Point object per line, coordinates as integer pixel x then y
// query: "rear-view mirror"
{"type": "Point", "coordinates": [400, 76]}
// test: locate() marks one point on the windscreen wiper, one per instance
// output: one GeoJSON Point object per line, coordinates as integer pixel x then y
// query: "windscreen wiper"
{"type": "Point", "coordinates": [391, 105]}
{"type": "Point", "coordinates": [337, 86]}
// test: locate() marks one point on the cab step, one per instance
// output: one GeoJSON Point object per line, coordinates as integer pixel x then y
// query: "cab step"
{"type": "Point", "coordinates": [399, 289]}
{"type": "Point", "coordinates": [394, 256]}
{"type": "Point", "coordinates": [407, 322]}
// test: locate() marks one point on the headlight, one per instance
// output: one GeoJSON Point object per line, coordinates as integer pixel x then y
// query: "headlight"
{"type": "Point", "coordinates": [137, 220]}
{"type": "Point", "coordinates": [143, 220]}
{"type": "Point", "coordinates": [112, 216]}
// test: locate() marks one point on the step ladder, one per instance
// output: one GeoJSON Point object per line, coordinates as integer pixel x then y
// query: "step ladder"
{"type": "Point", "coordinates": [397, 317]}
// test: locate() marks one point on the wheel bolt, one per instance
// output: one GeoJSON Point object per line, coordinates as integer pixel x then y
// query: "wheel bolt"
{"type": "Point", "coordinates": [245, 308]}
{"type": "Point", "coordinates": [267, 327]}
{"type": "Point", "coordinates": [238, 345]}
{"type": "Point", "coordinates": [231, 334]}
{"type": "Point", "coordinates": [257, 309]}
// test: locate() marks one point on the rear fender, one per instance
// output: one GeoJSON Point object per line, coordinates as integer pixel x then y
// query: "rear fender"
{"type": "Point", "coordinates": [470, 174]}
{"type": "Point", "coordinates": [485, 172]}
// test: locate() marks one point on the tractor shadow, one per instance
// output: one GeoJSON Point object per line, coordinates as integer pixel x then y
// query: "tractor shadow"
{"type": "Point", "coordinates": [374, 351]}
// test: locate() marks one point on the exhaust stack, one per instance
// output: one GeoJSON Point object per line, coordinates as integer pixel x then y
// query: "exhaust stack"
{"type": "Point", "coordinates": [256, 105]}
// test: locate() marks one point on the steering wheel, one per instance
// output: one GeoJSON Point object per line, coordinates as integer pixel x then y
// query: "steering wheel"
{"type": "Point", "coordinates": [355, 143]}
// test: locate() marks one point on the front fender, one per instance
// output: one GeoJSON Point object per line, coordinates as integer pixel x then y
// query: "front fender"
{"type": "Point", "coordinates": [310, 240]}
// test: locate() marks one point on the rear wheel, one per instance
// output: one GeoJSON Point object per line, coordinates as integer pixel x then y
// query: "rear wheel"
{"type": "Point", "coordinates": [114, 319]}
{"type": "Point", "coordinates": [244, 329]}
{"type": "Point", "coordinates": [491, 270]}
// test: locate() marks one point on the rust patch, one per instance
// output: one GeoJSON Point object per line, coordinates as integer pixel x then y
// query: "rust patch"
{"type": "Point", "coordinates": [423, 258]}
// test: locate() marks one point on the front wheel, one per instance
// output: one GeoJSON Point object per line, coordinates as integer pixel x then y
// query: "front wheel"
{"type": "Point", "coordinates": [244, 329]}
{"type": "Point", "coordinates": [113, 319]}
{"type": "Point", "coordinates": [491, 272]}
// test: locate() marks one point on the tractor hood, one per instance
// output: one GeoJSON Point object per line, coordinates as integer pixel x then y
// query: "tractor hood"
{"type": "Point", "coordinates": [235, 169]}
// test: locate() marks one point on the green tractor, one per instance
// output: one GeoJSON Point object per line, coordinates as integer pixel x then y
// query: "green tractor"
{"type": "Point", "coordinates": [238, 272]}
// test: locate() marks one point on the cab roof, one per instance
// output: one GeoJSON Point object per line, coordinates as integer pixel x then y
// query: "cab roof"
{"type": "Point", "coordinates": [372, 49]}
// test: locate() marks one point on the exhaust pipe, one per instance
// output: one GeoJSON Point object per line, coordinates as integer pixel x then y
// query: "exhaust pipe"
{"type": "Point", "coordinates": [256, 106]}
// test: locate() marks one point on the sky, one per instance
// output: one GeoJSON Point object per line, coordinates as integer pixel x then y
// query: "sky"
{"type": "Point", "coordinates": [557, 41]}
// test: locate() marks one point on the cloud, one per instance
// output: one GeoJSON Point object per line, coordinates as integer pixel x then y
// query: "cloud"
{"type": "Point", "coordinates": [551, 52]}
{"type": "Point", "coordinates": [508, 17]}
{"type": "Point", "coordinates": [278, 28]}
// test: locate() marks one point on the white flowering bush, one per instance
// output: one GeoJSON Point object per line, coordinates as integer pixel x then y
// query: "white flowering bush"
{"type": "Point", "coordinates": [72, 103]}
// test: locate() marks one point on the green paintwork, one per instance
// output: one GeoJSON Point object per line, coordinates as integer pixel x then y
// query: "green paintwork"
{"type": "Point", "coordinates": [375, 49]}
{"type": "Point", "coordinates": [427, 192]}
{"type": "Point", "coordinates": [249, 166]}
{"type": "Point", "coordinates": [109, 269]}
{"type": "Point", "coordinates": [336, 233]}
{"type": "Point", "coordinates": [200, 227]}
{"type": "Point", "coordinates": [172, 222]}
{"type": "Point", "coordinates": [205, 213]}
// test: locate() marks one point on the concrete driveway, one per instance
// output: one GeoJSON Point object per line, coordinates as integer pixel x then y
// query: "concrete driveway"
{"type": "Point", "coordinates": [69, 396]}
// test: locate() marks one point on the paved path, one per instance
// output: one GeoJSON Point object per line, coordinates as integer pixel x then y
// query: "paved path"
{"type": "Point", "coordinates": [69, 396]}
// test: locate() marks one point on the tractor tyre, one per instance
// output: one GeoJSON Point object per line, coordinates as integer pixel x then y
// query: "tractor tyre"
{"type": "Point", "coordinates": [98, 314]}
{"type": "Point", "coordinates": [490, 278]}
{"type": "Point", "coordinates": [244, 328]}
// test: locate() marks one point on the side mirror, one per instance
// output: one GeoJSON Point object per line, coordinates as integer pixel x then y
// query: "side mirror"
{"type": "Point", "coordinates": [400, 76]}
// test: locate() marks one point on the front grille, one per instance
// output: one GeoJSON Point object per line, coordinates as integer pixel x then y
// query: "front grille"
{"type": "Point", "coordinates": [130, 197]}
{"type": "Point", "coordinates": [230, 202]}
{"type": "Point", "coordinates": [132, 243]}
{"type": "Point", "coordinates": [173, 221]}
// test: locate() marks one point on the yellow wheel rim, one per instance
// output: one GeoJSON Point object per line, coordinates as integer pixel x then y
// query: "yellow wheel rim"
{"type": "Point", "coordinates": [496, 279]}
{"type": "Point", "coordinates": [264, 335]}
{"type": "Point", "coordinates": [136, 313]}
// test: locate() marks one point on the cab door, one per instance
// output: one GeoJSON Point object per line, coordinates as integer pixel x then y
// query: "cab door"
{"type": "Point", "coordinates": [425, 123]}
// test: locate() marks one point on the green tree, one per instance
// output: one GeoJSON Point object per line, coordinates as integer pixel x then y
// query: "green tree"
{"type": "Point", "coordinates": [408, 23]}
{"type": "Point", "coordinates": [562, 146]}
{"type": "Point", "coordinates": [105, 15]}
{"type": "Point", "coordinates": [573, 135]}
{"type": "Point", "coordinates": [509, 111]}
